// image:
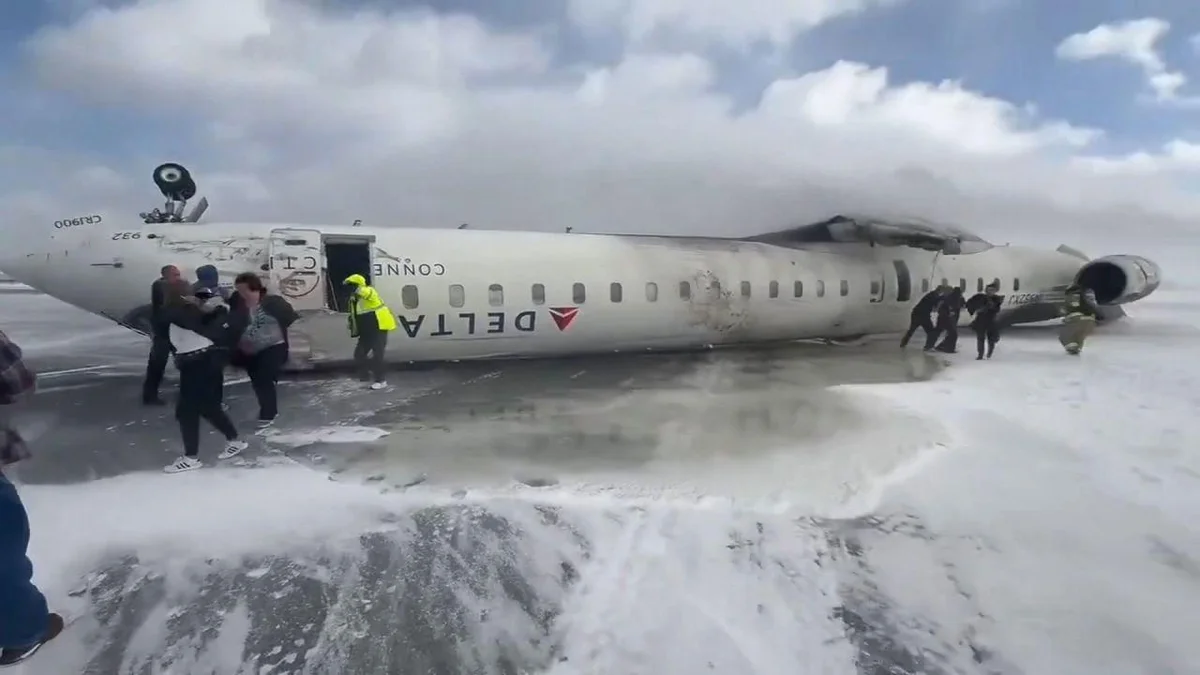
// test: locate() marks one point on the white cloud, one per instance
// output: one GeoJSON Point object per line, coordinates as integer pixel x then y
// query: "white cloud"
{"type": "Point", "coordinates": [410, 118]}
{"type": "Point", "coordinates": [737, 24]}
{"type": "Point", "coordinates": [1135, 41]}
{"type": "Point", "coordinates": [1175, 156]}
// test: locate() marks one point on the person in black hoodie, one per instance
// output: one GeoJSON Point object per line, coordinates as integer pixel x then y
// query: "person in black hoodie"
{"type": "Point", "coordinates": [201, 330]}
{"type": "Point", "coordinates": [947, 321]}
{"type": "Point", "coordinates": [922, 317]}
{"type": "Point", "coordinates": [986, 324]}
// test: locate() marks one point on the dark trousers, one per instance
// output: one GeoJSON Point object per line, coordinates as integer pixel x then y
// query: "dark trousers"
{"type": "Point", "coordinates": [924, 323]}
{"type": "Point", "coordinates": [263, 369]}
{"type": "Point", "coordinates": [24, 615]}
{"type": "Point", "coordinates": [986, 337]}
{"type": "Point", "coordinates": [156, 366]}
{"type": "Point", "coordinates": [950, 342]}
{"type": "Point", "coordinates": [201, 385]}
{"type": "Point", "coordinates": [368, 354]}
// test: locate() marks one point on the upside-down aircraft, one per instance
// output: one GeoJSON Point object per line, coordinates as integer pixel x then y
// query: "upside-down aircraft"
{"type": "Point", "coordinates": [465, 293]}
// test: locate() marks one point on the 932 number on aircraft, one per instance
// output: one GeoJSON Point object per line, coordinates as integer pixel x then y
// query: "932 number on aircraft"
{"type": "Point", "coordinates": [77, 221]}
{"type": "Point", "coordinates": [126, 235]}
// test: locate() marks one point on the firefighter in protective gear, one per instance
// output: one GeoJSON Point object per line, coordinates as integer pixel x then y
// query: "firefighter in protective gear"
{"type": "Point", "coordinates": [370, 321]}
{"type": "Point", "coordinates": [1079, 318]}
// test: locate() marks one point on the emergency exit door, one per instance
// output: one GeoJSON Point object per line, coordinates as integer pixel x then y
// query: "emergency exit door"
{"type": "Point", "coordinates": [297, 267]}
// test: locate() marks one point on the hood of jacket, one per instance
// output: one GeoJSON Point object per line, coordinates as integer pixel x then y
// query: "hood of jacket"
{"type": "Point", "coordinates": [355, 280]}
{"type": "Point", "coordinates": [208, 276]}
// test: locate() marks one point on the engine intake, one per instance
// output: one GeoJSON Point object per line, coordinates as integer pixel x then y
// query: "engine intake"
{"type": "Point", "coordinates": [1118, 279]}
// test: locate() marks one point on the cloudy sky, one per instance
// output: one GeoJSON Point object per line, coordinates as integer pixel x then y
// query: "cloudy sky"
{"type": "Point", "coordinates": [706, 116]}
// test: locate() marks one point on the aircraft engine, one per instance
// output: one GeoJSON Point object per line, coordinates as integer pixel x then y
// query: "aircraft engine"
{"type": "Point", "coordinates": [1118, 279]}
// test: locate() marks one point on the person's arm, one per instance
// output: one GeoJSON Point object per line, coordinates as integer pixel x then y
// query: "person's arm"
{"type": "Point", "coordinates": [281, 310]}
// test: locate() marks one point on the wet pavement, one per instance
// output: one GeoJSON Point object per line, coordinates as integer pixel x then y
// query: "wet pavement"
{"type": "Point", "coordinates": [473, 421]}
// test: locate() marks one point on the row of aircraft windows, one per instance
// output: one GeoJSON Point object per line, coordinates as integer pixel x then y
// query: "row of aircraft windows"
{"type": "Point", "coordinates": [410, 296]}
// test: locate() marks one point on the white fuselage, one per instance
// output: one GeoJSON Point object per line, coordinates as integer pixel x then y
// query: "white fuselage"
{"type": "Point", "coordinates": [472, 294]}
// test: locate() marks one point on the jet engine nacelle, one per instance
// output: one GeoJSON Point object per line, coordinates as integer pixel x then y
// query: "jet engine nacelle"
{"type": "Point", "coordinates": [1118, 279]}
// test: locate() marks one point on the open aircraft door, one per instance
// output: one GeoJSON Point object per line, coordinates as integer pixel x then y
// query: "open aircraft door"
{"type": "Point", "coordinates": [297, 267]}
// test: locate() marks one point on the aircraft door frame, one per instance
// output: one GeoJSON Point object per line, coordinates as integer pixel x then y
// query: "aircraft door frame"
{"type": "Point", "coordinates": [296, 267]}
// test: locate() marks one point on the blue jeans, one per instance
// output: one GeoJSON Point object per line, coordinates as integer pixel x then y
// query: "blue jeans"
{"type": "Point", "coordinates": [24, 616]}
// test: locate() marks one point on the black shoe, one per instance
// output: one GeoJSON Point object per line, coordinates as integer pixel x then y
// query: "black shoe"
{"type": "Point", "coordinates": [10, 656]}
{"type": "Point", "coordinates": [979, 358]}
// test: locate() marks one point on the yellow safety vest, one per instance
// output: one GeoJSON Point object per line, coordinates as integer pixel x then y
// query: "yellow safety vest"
{"type": "Point", "coordinates": [366, 300]}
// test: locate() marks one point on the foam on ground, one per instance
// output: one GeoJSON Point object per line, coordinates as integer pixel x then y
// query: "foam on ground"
{"type": "Point", "coordinates": [330, 434]}
{"type": "Point", "coordinates": [1066, 512]}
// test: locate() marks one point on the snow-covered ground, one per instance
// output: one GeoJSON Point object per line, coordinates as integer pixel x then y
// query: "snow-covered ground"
{"type": "Point", "coordinates": [1033, 514]}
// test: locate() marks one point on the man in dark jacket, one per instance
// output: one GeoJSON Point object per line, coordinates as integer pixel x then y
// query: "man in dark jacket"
{"type": "Point", "coordinates": [948, 312]}
{"type": "Point", "coordinates": [986, 324]}
{"type": "Point", "coordinates": [922, 317]}
{"type": "Point", "coordinates": [160, 345]}
{"type": "Point", "coordinates": [26, 622]}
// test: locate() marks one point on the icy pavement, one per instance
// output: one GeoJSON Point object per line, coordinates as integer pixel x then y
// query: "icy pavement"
{"type": "Point", "coordinates": [1031, 515]}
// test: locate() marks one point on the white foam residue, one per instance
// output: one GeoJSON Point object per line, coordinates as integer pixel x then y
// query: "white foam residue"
{"type": "Point", "coordinates": [330, 434]}
{"type": "Point", "coordinates": [1065, 513]}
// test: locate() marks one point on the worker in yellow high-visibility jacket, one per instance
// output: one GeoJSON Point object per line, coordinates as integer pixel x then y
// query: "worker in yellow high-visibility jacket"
{"type": "Point", "coordinates": [370, 322]}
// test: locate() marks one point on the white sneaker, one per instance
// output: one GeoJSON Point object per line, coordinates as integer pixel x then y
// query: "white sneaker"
{"type": "Point", "coordinates": [378, 385]}
{"type": "Point", "coordinates": [233, 449]}
{"type": "Point", "coordinates": [183, 464]}
{"type": "Point", "coordinates": [263, 424]}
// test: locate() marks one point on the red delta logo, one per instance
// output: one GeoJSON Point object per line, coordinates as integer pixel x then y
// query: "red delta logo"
{"type": "Point", "coordinates": [563, 316]}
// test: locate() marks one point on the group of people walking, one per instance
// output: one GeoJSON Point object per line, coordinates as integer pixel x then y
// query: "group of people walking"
{"type": "Point", "coordinates": [939, 311]}
{"type": "Point", "coordinates": [207, 328]}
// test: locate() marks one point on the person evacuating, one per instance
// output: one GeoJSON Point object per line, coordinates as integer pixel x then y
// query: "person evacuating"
{"type": "Point", "coordinates": [947, 320]}
{"type": "Point", "coordinates": [201, 331]}
{"type": "Point", "coordinates": [922, 317]}
{"type": "Point", "coordinates": [1079, 318]}
{"type": "Point", "coordinates": [26, 622]}
{"type": "Point", "coordinates": [160, 346]}
{"type": "Point", "coordinates": [370, 322]}
{"type": "Point", "coordinates": [262, 348]}
{"type": "Point", "coordinates": [986, 324]}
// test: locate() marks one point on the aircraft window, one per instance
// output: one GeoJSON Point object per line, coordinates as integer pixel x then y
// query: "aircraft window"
{"type": "Point", "coordinates": [996, 283]}
{"type": "Point", "coordinates": [745, 289]}
{"type": "Point", "coordinates": [538, 292]}
{"type": "Point", "coordinates": [1016, 284]}
{"type": "Point", "coordinates": [685, 290]}
{"type": "Point", "coordinates": [773, 289]}
{"type": "Point", "coordinates": [457, 295]}
{"type": "Point", "coordinates": [651, 292]}
{"type": "Point", "coordinates": [875, 289]}
{"type": "Point", "coordinates": [495, 295]}
{"type": "Point", "coordinates": [979, 285]}
{"type": "Point", "coordinates": [924, 285]}
{"type": "Point", "coordinates": [945, 281]}
{"type": "Point", "coordinates": [716, 288]}
{"type": "Point", "coordinates": [614, 292]}
{"type": "Point", "coordinates": [820, 288]}
{"type": "Point", "coordinates": [798, 289]}
{"type": "Point", "coordinates": [578, 293]}
{"type": "Point", "coordinates": [845, 287]}
{"type": "Point", "coordinates": [962, 283]}
{"type": "Point", "coordinates": [408, 295]}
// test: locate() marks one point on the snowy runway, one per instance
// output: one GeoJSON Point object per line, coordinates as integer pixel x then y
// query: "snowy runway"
{"type": "Point", "coordinates": [1034, 514]}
